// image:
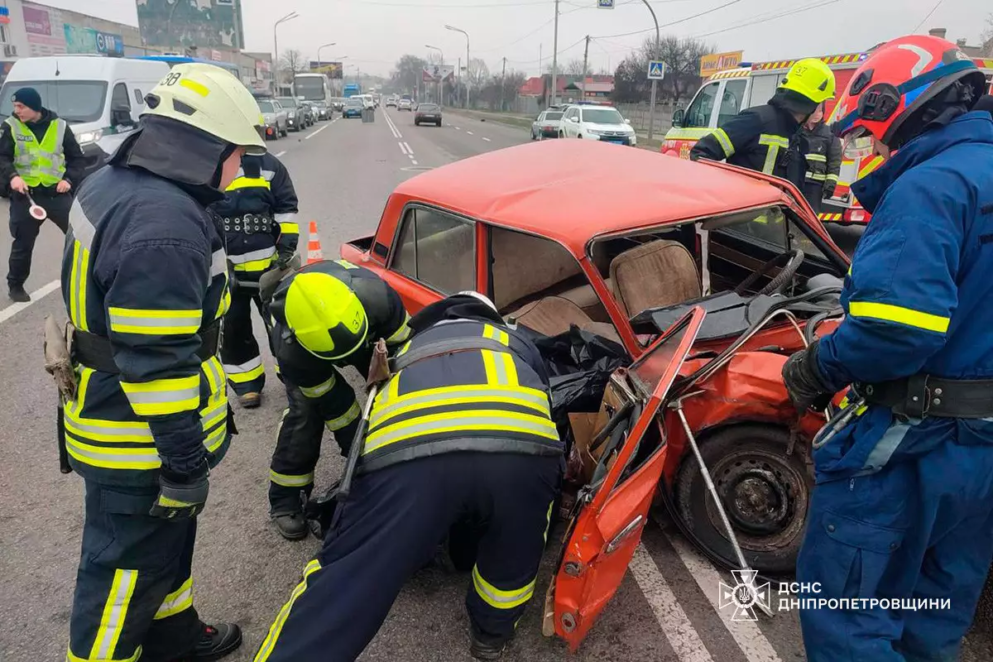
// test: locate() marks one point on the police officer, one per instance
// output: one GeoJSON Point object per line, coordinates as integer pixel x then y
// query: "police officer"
{"type": "Point", "coordinates": [463, 428]}
{"type": "Point", "coordinates": [902, 510]}
{"type": "Point", "coordinates": [39, 156]}
{"type": "Point", "coordinates": [821, 151]}
{"type": "Point", "coordinates": [764, 138]}
{"type": "Point", "coordinates": [261, 232]}
{"type": "Point", "coordinates": [144, 279]}
{"type": "Point", "coordinates": [325, 317]}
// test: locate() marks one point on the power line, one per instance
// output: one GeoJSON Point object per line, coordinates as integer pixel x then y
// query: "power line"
{"type": "Point", "coordinates": [533, 32]}
{"type": "Point", "coordinates": [791, 12]}
{"type": "Point", "coordinates": [682, 20]}
{"type": "Point", "coordinates": [924, 20]}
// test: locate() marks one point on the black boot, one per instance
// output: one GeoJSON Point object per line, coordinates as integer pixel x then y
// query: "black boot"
{"type": "Point", "coordinates": [216, 641]}
{"type": "Point", "coordinates": [17, 293]}
{"type": "Point", "coordinates": [485, 648]}
{"type": "Point", "coordinates": [292, 526]}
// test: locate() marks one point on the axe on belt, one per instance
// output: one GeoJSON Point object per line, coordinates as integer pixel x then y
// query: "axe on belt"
{"type": "Point", "coordinates": [379, 372]}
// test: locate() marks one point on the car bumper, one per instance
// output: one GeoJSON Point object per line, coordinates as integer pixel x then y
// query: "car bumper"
{"type": "Point", "coordinates": [352, 113]}
{"type": "Point", "coordinates": [549, 133]}
{"type": "Point", "coordinates": [618, 140]}
{"type": "Point", "coordinates": [427, 118]}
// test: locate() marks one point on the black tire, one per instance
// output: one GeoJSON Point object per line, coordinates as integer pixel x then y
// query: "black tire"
{"type": "Point", "coordinates": [416, 123]}
{"type": "Point", "coordinates": [438, 124]}
{"type": "Point", "coordinates": [765, 493]}
{"type": "Point", "coordinates": [561, 135]}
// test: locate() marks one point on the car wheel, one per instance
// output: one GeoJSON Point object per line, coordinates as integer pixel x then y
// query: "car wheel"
{"type": "Point", "coordinates": [765, 488]}
{"type": "Point", "coordinates": [285, 132]}
{"type": "Point", "coordinates": [438, 124]}
{"type": "Point", "coordinates": [416, 123]}
{"type": "Point", "coordinates": [561, 135]}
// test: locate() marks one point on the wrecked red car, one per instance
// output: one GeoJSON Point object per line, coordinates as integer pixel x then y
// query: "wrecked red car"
{"type": "Point", "coordinates": [708, 276]}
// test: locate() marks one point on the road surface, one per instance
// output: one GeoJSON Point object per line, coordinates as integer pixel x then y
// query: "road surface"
{"type": "Point", "coordinates": [666, 608]}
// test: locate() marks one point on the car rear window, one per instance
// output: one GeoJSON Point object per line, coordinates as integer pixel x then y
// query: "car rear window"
{"type": "Point", "coordinates": [266, 107]}
{"type": "Point", "coordinates": [428, 106]}
{"type": "Point", "coordinates": [553, 116]}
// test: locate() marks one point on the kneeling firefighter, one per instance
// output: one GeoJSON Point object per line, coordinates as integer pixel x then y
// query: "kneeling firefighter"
{"type": "Point", "coordinates": [325, 317]}
{"type": "Point", "coordinates": [261, 233]}
{"type": "Point", "coordinates": [144, 279]}
{"type": "Point", "coordinates": [462, 429]}
{"type": "Point", "coordinates": [902, 510]}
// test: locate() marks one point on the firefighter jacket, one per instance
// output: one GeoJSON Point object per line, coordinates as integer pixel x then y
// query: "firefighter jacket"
{"type": "Point", "coordinates": [471, 384]}
{"type": "Point", "coordinates": [144, 273]}
{"type": "Point", "coordinates": [315, 377]}
{"type": "Point", "coordinates": [822, 154]}
{"type": "Point", "coordinates": [763, 138]}
{"type": "Point", "coordinates": [259, 217]}
{"type": "Point", "coordinates": [918, 294]}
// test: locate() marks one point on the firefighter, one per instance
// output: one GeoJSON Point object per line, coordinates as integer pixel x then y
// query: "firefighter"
{"type": "Point", "coordinates": [821, 152]}
{"type": "Point", "coordinates": [463, 428]}
{"type": "Point", "coordinates": [902, 509]}
{"type": "Point", "coordinates": [325, 317]}
{"type": "Point", "coordinates": [144, 281]}
{"type": "Point", "coordinates": [764, 138]}
{"type": "Point", "coordinates": [39, 159]}
{"type": "Point", "coordinates": [261, 232]}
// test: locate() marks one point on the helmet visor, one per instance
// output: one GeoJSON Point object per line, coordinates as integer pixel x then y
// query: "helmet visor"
{"type": "Point", "coordinates": [857, 144]}
{"type": "Point", "coordinates": [257, 150]}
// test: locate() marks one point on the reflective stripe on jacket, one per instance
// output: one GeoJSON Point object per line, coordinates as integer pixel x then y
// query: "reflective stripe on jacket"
{"type": "Point", "coordinates": [39, 163]}
{"type": "Point", "coordinates": [822, 153]}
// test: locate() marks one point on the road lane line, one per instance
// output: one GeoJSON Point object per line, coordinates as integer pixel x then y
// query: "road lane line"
{"type": "Point", "coordinates": [486, 139]}
{"type": "Point", "coordinates": [280, 154]}
{"type": "Point", "coordinates": [750, 639]}
{"type": "Point", "coordinates": [409, 150]}
{"type": "Point", "coordinates": [393, 127]}
{"type": "Point", "coordinates": [40, 293]}
{"type": "Point", "coordinates": [676, 626]}
{"type": "Point", "coordinates": [314, 133]}
{"type": "Point", "coordinates": [402, 148]}
{"type": "Point", "coordinates": [413, 161]}
{"type": "Point", "coordinates": [458, 128]}
{"type": "Point", "coordinates": [469, 133]}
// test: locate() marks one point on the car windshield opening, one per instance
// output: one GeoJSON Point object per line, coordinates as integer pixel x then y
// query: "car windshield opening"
{"type": "Point", "coordinates": [288, 102]}
{"type": "Point", "coordinates": [602, 116]}
{"type": "Point", "coordinates": [74, 101]}
{"type": "Point", "coordinates": [266, 107]}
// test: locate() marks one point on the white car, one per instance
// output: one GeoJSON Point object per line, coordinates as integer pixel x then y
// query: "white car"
{"type": "Point", "coordinates": [601, 123]}
{"type": "Point", "coordinates": [546, 125]}
{"type": "Point", "coordinates": [405, 104]}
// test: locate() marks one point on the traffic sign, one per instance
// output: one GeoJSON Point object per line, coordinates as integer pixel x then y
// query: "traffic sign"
{"type": "Point", "coordinates": [605, 4]}
{"type": "Point", "coordinates": [656, 70]}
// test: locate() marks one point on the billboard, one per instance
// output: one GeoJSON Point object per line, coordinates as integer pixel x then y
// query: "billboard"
{"type": "Point", "coordinates": [182, 24]}
{"type": "Point", "coordinates": [43, 26]}
{"type": "Point", "coordinates": [88, 40]}
{"type": "Point", "coordinates": [332, 70]}
{"type": "Point", "coordinates": [711, 64]}
{"type": "Point", "coordinates": [434, 73]}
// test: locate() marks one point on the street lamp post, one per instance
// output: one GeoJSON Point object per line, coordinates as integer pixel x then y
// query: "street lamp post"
{"type": "Point", "coordinates": [655, 83]}
{"type": "Point", "coordinates": [441, 84]}
{"type": "Point", "coordinates": [320, 62]}
{"type": "Point", "coordinates": [275, 45]}
{"type": "Point", "coordinates": [467, 60]}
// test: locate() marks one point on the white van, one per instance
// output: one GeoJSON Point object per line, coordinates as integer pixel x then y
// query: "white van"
{"type": "Point", "coordinates": [100, 97]}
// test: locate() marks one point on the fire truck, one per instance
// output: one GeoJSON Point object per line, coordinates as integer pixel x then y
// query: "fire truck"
{"type": "Point", "coordinates": [726, 93]}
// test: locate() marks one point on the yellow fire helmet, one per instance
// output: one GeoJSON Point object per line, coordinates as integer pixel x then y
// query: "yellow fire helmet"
{"type": "Point", "coordinates": [323, 314]}
{"type": "Point", "coordinates": [810, 78]}
{"type": "Point", "coordinates": [212, 100]}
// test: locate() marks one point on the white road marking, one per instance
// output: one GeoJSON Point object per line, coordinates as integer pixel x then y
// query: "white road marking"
{"type": "Point", "coordinates": [40, 293]}
{"type": "Point", "coordinates": [412, 160]}
{"type": "Point", "coordinates": [409, 150]}
{"type": "Point", "coordinates": [486, 139]}
{"type": "Point", "coordinates": [280, 154]}
{"type": "Point", "coordinates": [469, 133]}
{"type": "Point", "coordinates": [314, 133]}
{"type": "Point", "coordinates": [750, 639]}
{"type": "Point", "coordinates": [458, 128]}
{"type": "Point", "coordinates": [676, 626]}
{"type": "Point", "coordinates": [392, 126]}
{"type": "Point", "coordinates": [402, 148]}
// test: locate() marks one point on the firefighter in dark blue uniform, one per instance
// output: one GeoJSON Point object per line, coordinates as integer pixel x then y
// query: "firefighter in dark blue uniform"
{"type": "Point", "coordinates": [462, 430]}
{"type": "Point", "coordinates": [144, 279]}
{"type": "Point", "coordinates": [310, 362]}
{"type": "Point", "coordinates": [259, 214]}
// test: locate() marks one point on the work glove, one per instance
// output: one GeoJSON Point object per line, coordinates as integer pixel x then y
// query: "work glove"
{"type": "Point", "coordinates": [804, 383]}
{"type": "Point", "coordinates": [829, 190]}
{"type": "Point", "coordinates": [181, 496]}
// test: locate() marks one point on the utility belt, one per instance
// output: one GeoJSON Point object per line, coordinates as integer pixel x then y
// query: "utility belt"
{"type": "Point", "coordinates": [249, 224]}
{"type": "Point", "coordinates": [95, 351]}
{"type": "Point", "coordinates": [921, 396]}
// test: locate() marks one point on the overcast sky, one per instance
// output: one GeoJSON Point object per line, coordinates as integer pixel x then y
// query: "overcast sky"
{"type": "Point", "coordinates": [374, 33]}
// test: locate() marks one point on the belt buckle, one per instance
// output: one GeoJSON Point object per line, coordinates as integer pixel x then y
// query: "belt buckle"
{"type": "Point", "coordinates": [918, 401]}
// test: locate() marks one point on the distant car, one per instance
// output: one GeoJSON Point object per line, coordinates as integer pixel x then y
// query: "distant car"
{"type": "Point", "coordinates": [295, 118]}
{"type": "Point", "coordinates": [276, 120]}
{"type": "Point", "coordinates": [546, 125]}
{"type": "Point", "coordinates": [392, 101]}
{"type": "Point", "coordinates": [405, 104]}
{"type": "Point", "coordinates": [321, 110]}
{"type": "Point", "coordinates": [427, 113]}
{"type": "Point", "coordinates": [309, 114]}
{"type": "Point", "coordinates": [601, 123]}
{"type": "Point", "coordinates": [338, 104]}
{"type": "Point", "coordinates": [353, 108]}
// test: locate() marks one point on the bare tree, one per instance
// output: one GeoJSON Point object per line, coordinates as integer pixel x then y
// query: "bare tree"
{"type": "Point", "coordinates": [682, 62]}
{"type": "Point", "coordinates": [406, 75]}
{"type": "Point", "coordinates": [292, 63]}
{"type": "Point", "coordinates": [573, 67]}
{"type": "Point", "coordinates": [987, 37]}
{"type": "Point", "coordinates": [477, 73]}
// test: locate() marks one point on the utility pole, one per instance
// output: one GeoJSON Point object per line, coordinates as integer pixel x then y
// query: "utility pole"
{"type": "Point", "coordinates": [586, 59]}
{"type": "Point", "coordinates": [458, 98]}
{"type": "Point", "coordinates": [503, 86]}
{"type": "Point", "coordinates": [555, 55]}
{"type": "Point", "coordinates": [655, 83]}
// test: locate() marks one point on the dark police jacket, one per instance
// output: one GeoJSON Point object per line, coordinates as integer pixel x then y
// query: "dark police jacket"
{"type": "Point", "coordinates": [822, 154]}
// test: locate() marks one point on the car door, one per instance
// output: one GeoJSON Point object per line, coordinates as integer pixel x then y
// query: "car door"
{"type": "Point", "coordinates": [613, 511]}
{"type": "Point", "coordinates": [568, 126]}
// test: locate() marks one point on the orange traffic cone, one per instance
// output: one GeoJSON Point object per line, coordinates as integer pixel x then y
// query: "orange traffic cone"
{"type": "Point", "coordinates": [314, 253]}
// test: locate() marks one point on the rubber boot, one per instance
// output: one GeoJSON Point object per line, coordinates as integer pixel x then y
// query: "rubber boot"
{"type": "Point", "coordinates": [250, 400]}
{"type": "Point", "coordinates": [216, 641]}
{"type": "Point", "coordinates": [483, 648]}
{"type": "Point", "coordinates": [292, 526]}
{"type": "Point", "coordinates": [17, 294]}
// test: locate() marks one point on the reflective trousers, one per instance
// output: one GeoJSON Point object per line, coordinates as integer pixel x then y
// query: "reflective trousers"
{"type": "Point", "coordinates": [134, 588]}
{"type": "Point", "coordinates": [391, 526]}
{"type": "Point", "coordinates": [239, 349]}
{"type": "Point", "coordinates": [921, 529]}
{"type": "Point", "coordinates": [298, 441]}
{"type": "Point", "coordinates": [24, 231]}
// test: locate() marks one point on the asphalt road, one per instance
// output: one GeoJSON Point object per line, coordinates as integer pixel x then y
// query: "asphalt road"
{"type": "Point", "coordinates": [666, 608]}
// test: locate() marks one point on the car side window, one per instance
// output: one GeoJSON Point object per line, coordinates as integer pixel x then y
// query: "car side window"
{"type": "Point", "coordinates": [139, 98]}
{"type": "Point", "coordinates": [436, 249]}
{"type": "Point", "coordinates": [768, 226]}
{"type": "Point", "coordinates": [120, 97]}
{"type": "Point", "coordinates": [698, 114]}
{"type": "Point", "coordinates": [524, 265]}
{"type": "Point", "coordinates": [731, 101]}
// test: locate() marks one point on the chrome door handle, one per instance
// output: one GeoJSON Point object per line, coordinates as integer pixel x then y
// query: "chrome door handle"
{"type": "Point", "coordinates": [624, 533]}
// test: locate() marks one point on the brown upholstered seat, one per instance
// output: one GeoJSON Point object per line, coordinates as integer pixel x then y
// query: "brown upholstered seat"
{"type": "Point", "coordinates": [554, 315]}
{"type": "Point", "coordinates": [654, 275]}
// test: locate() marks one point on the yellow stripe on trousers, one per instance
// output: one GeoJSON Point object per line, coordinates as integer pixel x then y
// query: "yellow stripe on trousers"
{"type": "Point", "coordinates": [265, 650]}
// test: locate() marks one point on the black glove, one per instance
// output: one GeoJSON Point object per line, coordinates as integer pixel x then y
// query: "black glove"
{"type": "Point", "coordinates": [283, 259]}
{"type": "Point", "coordinates": [829, 190]}
{"type": "Point", "coordinates": [181, 496]}
{"type": "Point", "coordinates": [804, 383]}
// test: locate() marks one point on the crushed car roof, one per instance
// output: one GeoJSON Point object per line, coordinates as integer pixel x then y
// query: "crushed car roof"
{"type": "Point", "coordinates": [571, 190]}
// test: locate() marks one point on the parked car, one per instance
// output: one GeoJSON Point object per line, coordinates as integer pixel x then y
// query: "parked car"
{"type": "Point", "coordinates": [546, 125]}
{"type": "Point", "coordinates": [427, 113]}
{"type": "Point", "coordinates": [405, 104]}
{"type": "Point", "coordinates": [295, 116]}
{"type": "Point", "coordinates": [353, 108]}
{"type": "Point", "coordinates": [637, 250]}
{"type": "Point", "coordinates": [597, 123]}
{"type": "Point", "coordinates": [321, 110]}
{"type": "Point", "coordinates": [276, 119]}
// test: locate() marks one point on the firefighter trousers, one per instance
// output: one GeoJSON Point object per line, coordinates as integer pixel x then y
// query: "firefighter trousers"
{"type": "Point", "coordinates": [24, 231]}
{"type": "Point", "coordinates": [298, 441]}
{"type": "Point", "coordinates": [239, 349]}
{"type": "Point", "coordinates": [391, 526]}
{"type": "Point", "coordinates": [134, 587]}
